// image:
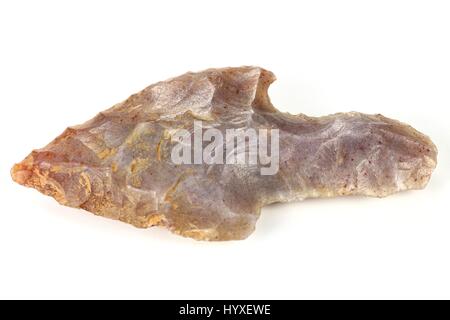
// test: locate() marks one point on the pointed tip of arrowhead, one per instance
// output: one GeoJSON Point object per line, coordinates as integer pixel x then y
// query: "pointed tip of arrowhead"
{"type": "Point", "coordinates": [21, 173]}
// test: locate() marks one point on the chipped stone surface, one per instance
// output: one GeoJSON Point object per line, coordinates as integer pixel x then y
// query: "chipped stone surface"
{"type": "Point", "coordinates": [118, 164]}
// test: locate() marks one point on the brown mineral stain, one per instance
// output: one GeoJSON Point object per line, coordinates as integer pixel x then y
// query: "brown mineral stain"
{"type": "Point", "coordinates": [114, 167]}
{"type": "Point", "coordinates": [107, 152]}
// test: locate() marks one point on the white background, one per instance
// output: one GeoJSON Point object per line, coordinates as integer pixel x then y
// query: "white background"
{"type": "Point", "coordinates": [62, 62]}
